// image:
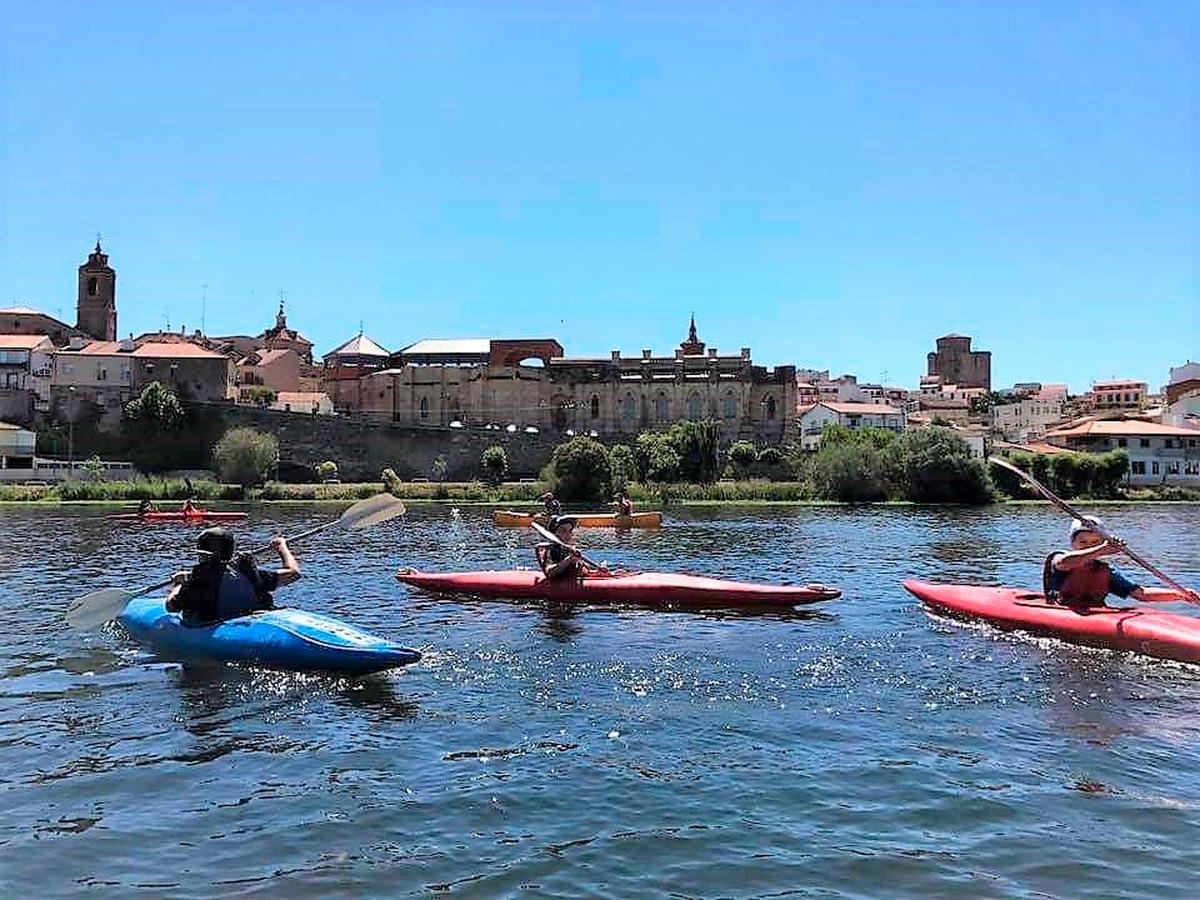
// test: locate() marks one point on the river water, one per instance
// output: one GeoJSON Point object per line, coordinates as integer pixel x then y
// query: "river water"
{"type": "Point", "coordinates": [860, 749]}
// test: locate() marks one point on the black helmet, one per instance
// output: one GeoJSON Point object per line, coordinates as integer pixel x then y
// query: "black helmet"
{"type": "Point", "coordinates": [217, 542]}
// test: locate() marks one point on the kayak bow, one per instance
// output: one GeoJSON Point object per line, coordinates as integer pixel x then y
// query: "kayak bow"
{"type": "Point", "coordinates": [510, 519]}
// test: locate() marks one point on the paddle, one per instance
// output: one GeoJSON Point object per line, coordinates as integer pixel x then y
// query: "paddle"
{"type": "Point", "coordinates": [94, 609]}
{"type": "Point", "coordinates": [553, 538]}
{"type": "Point", "coordinates": [1075, 514]}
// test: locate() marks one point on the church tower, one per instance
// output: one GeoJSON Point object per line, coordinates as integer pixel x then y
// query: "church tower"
{"type": "Point", "coordinates": [96, 313]}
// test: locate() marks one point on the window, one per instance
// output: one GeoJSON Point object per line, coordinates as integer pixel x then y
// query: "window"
{"type": "Point", "coordinates": [1144, 442]}
{"type": "Point", "coordinates": [629, 408]}
{"type": "Point", "coordinates": [1137, 467]}
{"type": "Point", "coordinates": [662, 408]}
{"type": "Point", "coordinates": [694, 407]}
{"type": "Point", "coordinates": [92, 287]}
{"type": "Point", "coordinates": [424, 407]}
{"type": "Point", "coordinates": [1154, 467]}
{"type": "Point", "coordinates": [1169, 443]}
{"type": "Point", "coordinates": [730, 407]}
{"type": "Point", "coordinates": [1191, 467]}
{"type": "Point", "coordinates": [770, 408]}
{"type": "Point", "coordinates": [1121, 442]}
{"type": "Point", "coordinates": [595, 406]}
{"type": "Point", "coordinates": [1173, 467]}
{"type": "Point", "coordinates": [102, 374]}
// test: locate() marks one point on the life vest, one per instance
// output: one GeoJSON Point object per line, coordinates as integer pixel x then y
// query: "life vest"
{"type": "Point", "coordinates": [214, 591]}
{"type": "Point", "coordinates": [1086, 586]}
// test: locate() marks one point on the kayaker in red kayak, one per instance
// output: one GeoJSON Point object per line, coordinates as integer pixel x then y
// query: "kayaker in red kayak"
{"type": "Point", "coordinates": [145, 507]}
{"type": "Point", "coordinates": [189, 508]}
{"type": "Point", "coordinates": [221, 586]}
{"type": "Point", "coordinates": [1079, 578]}
{"type": "Point", "coordinates": [557, 561]}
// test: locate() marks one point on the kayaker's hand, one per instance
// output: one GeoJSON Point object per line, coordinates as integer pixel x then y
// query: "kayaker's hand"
{"type": "Point", "coordinates": [279, 544]}
{"type": "Point", "coordinates": [1111, 547]}
{"type": "Point", "coordinates": [179, 578]}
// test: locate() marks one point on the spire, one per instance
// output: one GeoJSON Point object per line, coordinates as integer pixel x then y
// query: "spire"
{"type": "Point", "coordinates": [693, 346]}
{"type": "Point", "coordinates": [281, 316]}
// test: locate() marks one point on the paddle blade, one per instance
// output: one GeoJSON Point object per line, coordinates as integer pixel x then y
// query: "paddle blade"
{"type": "Point", "coordinates": [94, 609]}
{"type": "Point", "coordinates": [372, 511]}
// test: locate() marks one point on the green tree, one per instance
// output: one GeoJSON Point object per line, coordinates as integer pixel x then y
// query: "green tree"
{"type": "Point", "coordinates": [260, 395]}
{"type": "Point", "coordinates": [850, 472]}
{"type": "Point", "coordinates": [391, 481]}
{"type": "Point", "coordinates": [698, 447]}
{"type": "Point", "coordinates": [326, 471]}
{"type": "Point", "coordinates": [580, 470]}
{"type": "Point", "coordinates": [935, 466]}
{"type": "Point", "coordinates": [152, 428]}
{"type": "Point", "coordinates": [495, 463]}
{"type": "Point", "coordinates": [440, 469]}
{"type": "Point", "coordinates": [245, 456]}
{"type": "Point", "coordinates": [743, 455]}
{"type": "Point", "coordinates": [624, 465]}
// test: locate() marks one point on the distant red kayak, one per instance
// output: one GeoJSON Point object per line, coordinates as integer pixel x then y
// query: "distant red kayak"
{"type": "Point", "coordinates": [196, 517]}
{"type": "Point", "coordinates": [1149, 631]}
{"type": "Point", "coordinates": [656, 589]}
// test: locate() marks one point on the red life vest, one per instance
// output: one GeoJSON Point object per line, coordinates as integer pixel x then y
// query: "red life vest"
{"type": "Point", "coordinates": [1086, 586]}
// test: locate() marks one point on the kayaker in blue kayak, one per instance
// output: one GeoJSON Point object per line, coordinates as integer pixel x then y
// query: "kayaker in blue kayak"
{"type": "Point", "coordinates": [221, 586]}
{"type": "Point", "coordinates": [557, 561]}
{"type": "Point", "coordinates": [1079, 578]}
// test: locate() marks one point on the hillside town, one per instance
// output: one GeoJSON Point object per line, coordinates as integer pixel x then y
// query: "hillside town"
{"type": "Point", "coordinates": [55, 373]}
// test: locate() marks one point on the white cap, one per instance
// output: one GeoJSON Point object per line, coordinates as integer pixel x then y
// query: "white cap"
{"type": "Point", "coordinates": [1087, 523]}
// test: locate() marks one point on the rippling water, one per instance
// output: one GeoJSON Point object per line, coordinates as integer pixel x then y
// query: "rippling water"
{"type": "Point", "coordinates": [863, 748]}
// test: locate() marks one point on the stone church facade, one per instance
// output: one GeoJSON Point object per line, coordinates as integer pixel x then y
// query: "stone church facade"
{"type": "Point", "coordinates": [497, 385]}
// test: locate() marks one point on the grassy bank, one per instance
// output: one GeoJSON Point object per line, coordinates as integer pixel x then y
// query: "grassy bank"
{"type": "Point", "coordinates": [751, 492]}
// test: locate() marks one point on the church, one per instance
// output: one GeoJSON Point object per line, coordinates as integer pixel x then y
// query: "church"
{"type": "Point", "coordinates": [95, 311]}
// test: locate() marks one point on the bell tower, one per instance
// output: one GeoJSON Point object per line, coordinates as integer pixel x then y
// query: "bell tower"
{"type": "Point", "coordinates": [96, 313]}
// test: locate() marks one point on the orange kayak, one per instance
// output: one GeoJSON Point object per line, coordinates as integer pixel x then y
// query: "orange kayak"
{"type": "Point", "coordinates": [509, 519]}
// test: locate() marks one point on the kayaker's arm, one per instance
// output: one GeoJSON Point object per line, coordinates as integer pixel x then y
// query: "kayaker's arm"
{"type": "Point", "coordinates": [1163, 595]}
{"type": "Point", "coordinates": [291, 569]}
{"type": "Point", "coordinates": [1074, 559]}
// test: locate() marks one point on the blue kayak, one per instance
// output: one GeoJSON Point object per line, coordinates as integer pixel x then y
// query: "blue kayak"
{"type": "Point", "coordinates": [277, 638]}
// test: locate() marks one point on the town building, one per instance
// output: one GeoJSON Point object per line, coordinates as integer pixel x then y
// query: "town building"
{"type": "Point", "coordinates": [344, 367]}
{"type": "Point", "coordinates": [1029, 417]}
{"type": "Point", "coordinates": [1158, 454]}
{"type": "Point", "coordinates": [813, 420]}
{"type": "Point", "coordinates": [1184, 380]}
{"type": "Point", "coordinates": [274, 370]}
{"type": "Point", "coordinates": [99, 377]}
{"type": "Point", "coordinates": [954, 362]}
{"type": "Point", "coordinates": [96, 308]}
{"type": "Point", "coordinates": [17, 446]}
{"type": "Point", "coordinates": [530, 384]}
{"type": "Point", "coordinates": [25, 362]}
{"type": "Point", "coordinates": [315, 403]}
{"type": "Point", "coordinates": [1118, 395]}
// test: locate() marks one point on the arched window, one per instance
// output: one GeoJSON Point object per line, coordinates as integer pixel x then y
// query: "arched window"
{"type": "Point", "coordinates": [629, 408]}
{"type": "Point", "coordinates": [93, 288]}
{"type": "Point", "coordinates": [424, 407]}
{"type": "Point", "coordinates": [595, 406]}
{"type": "Point", "coordinates": [770, 407]}
{"type": "Point", "coordinates": [695, 407]}
{"type": "Point", "coordinates": [730, 407]}
{"type": "Point", "coordinates": [662, 408]}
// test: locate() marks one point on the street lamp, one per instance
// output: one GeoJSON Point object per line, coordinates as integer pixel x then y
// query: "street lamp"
{"type": "Point", "coordinates": [71, 429]}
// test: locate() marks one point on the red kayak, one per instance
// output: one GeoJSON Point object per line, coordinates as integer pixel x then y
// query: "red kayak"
{"type": "Point", "coordinates": [1149, 631]}
{"type": "Point", "coordinates": [177, 515]}
{"type": "Point", "coordinates": [641, 588]}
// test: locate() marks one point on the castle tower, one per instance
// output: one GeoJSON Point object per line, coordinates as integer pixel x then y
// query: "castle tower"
{"type": "Point", "coordinates": [96, 313]}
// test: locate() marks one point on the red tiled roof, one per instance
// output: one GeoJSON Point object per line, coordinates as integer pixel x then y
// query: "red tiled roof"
{"type": "Point", "coordinates": [1122, 428]}
{"type": "Point", "coordinates": [149, 350]}
{"type": "Point", "coordinates": [854, 409]}
{"type": "Point", "coordinates": [21, 341]}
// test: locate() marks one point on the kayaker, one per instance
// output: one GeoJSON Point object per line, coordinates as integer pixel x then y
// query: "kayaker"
{"type": "Point", "coordinates": [550, 505]}
{"type": "Point", "coordinates": [145, 508]}
{"type": "Point", "coordinates": [221, 586]}
{"type": "Point", "coordinates": [189, 508]}
{"type": "Point", "coordinates": [1079, 578]}
{"type": "Point", "coordinates": [557, 561]}
{"type": "Point", "coordinates": [623, 505]}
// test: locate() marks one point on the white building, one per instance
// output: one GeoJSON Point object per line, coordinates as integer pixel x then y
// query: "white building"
{"type": "Point", "coordinates": [1028, 418]}
{"type": "Point", "coordinates": [25, 361]}
{"type": "Point", "coordinates": [1158, 454]}
{"type": "Point", "coordinates": [315, 403]}
{"type": "Point", "coordinates": [814, 419]}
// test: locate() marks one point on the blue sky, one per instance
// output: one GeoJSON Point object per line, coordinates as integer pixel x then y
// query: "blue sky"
{"type": "Point", "coordinates": [833, 184]}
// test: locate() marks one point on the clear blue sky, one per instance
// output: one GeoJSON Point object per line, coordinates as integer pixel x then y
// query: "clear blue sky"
{"type": "Point", "coordinates": [834, 184]}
